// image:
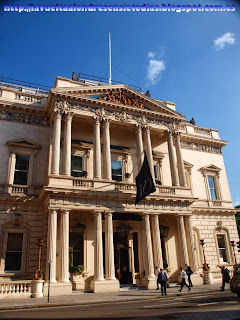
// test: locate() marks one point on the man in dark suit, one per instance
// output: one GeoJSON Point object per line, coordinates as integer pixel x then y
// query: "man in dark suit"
{"type": "Point", "coordinates": [189, 272]}
{"type": "Point", "coordinates": [162, 279]}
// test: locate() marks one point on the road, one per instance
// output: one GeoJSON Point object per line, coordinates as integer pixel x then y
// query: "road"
{"type": "Point", "coordinates": [220, 306]}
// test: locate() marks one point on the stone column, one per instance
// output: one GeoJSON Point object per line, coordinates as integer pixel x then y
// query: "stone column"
{"type": "Point", "coordinates": [191, 240]}
{"type": "Point", "coordinates": [175, 180]}
{"type": "Point", "coordinates": [157, 248]}
{"type": "Point", "coordinates": [107, 150]}
{"type": "Point", "coordinates": [148, 145]}
{"type": "Point", "coordinates": [64, 231]}
{"type": "Point", "coordinates": [97, 149]}
{"type": "Point", "coordinates": [67, 143]}
{"type": "Point", "coordinates": [109, 250]}
{"type": "Point", "coordinates": [181, 169]}
{"type": "Point", "coordinates": [150, 268]}
{"type": "Point", "coordinates": [56, 142]}
{"type": "Point", "coordinates": [182, 240]}
{"type": "Point", "coordinates": [98, 249]}
{"type": "Point", "coordinates": [140, 153]}
{"type": "Point", "coordinates": [52, 243]}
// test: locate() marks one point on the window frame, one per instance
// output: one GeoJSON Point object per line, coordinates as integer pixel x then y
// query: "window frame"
{"type": "Point", "coordinates": [227, 248]}
{"type": "Point", "coordinates": [214, 172]}
{"type": "Point", "coordinates": [17, 170]}
{"type": "Point", "coordinates": [119, 159]}
{"type": "Point", "coordinates": [80, 155]}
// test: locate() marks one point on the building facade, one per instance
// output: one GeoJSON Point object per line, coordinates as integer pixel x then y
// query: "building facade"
{"type": "Point", "coordinates": [69, 159]}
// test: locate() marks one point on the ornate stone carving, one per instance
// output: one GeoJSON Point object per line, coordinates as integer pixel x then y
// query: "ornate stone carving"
{"type": "Point", "coordinates": [24, 118]}
{"type": "Point", "coordinates": [173, 127]}
{"type": "Point", "coordinates": [62, 106]}
{"type": "Point", "coordinates": [200, 147]}
{"type": "Point", "coordinates": [122, 99]}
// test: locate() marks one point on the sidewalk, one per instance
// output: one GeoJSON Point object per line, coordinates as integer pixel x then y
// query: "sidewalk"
{"type": "Point", "coordinates": [125, 295]}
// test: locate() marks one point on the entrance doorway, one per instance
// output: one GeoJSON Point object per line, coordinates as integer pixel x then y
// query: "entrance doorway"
{"type": "Point", "coordinates": [121, 257]}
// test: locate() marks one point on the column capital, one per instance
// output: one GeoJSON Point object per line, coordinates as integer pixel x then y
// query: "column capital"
{"type": "Point", "coordinates": [68, 115]}
{"type": "Point", "coordinates": [106, 122]}
{"type": "Point", "coordinates": [97, 213]}
{"type": "Point", "coordinates": [64, 211]}
{"type": "Point", "coordinates": [108, 213]}
{"type": "Point", "coordinates": [97, 120]}
{"type": "Point", "coordinates": [52, 211]}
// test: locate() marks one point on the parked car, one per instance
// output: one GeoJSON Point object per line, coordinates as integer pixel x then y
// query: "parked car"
{"type": "Point", "coordinates": [235, 281]}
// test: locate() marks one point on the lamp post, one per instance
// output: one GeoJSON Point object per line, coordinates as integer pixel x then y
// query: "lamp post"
{"type": "Point", "coordinates": [38, 273]}
{"type": "Point", "coordinates": [205, 265]}
{"type": "Point", "coordinates": [233, 245]}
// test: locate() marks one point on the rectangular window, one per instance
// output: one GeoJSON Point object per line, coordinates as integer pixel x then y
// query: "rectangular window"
{"type": "Point", "coordinates": [155, 171]}
{"type": "Point", "coordinates": [116, 170]}
{"type": "Point", "coordinates": [222, 248]}
{"type": "Point", "coordinates": [14, 252]}
{"type": "Point", "coordinates": [21, 169]}
{"type": "Point", "coordinates": [76, 166]}
{"type": "Point", "coordinates": [212, 188]}
{"type": "Point", "coordinates": [76, 248]}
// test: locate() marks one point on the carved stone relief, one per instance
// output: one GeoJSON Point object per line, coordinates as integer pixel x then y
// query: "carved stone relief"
{"type": "Point", "coordinates": [24, 118]}
{"type": "Point", "coordinates": [200, 147]}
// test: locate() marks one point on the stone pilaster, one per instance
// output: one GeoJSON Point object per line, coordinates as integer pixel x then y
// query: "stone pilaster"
{"type": "Point", "coordinates": [173, 167]}
{"type": "Point", "coordinates": [64, 246]}
{"type": "Point", "coordinates": [191, 240]}
{"type": "Point", "coordinates": [147, 140]}
{"type": "Point", "coordinates": [157, 248]}
{"type": "Point", "coordinates": [181, 169]}
{"type": "Point", "coordinates": [149, 280]}
{"type": "Point", "coordinates": [109, 250]}
{"type": "Point", "coordinates": [140, 154]}
{"type": "Point", "coordinates": [56, 141]}
{"type": "Point", "coordinates": [52, 243]}
{"type": "Point", "coordinates": [97, 149]}
{"type": "Point", "coordinates": [67, 143]}
{"type": "Point", "coordinates": [107, 150]}
{"type": "Point", "coordinates": [182, 241]}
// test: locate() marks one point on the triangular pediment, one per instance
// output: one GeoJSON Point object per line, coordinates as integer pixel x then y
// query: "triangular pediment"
{"type": "Point", "coordinates": [117, 95]}
{"type": "Point", "coordinates": [211, 167]}
{"type": "Point", "coordinates": [24, 143]}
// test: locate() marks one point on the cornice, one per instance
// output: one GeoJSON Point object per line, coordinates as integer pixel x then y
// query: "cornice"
{"type": "Point", "coordinates": [196, 138]}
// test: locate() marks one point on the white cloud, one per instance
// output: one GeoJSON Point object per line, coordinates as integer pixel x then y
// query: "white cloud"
{"type": "Point", "coordinates": [155, 69]}
{"type": "Point", "coordinates": [151, 54]}
{"type": "Point", "coordinates": [227, 39]}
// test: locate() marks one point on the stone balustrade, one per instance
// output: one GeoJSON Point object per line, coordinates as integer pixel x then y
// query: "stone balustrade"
{"type": "Point", "coordinates": [29, 98]}
{"type": "Point", "coordinates": [14, 289]}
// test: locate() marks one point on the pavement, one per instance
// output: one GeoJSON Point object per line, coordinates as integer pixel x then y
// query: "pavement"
{"type": "Point", "coordinates": [126, 294]}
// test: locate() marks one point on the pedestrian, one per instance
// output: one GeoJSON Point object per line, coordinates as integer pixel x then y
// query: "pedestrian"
{"type": "Point", "coordinates": [183, 282]}
{"type": "Point", "coordinates": [225, 276]}
{"type": "Point", "coordinates": [158, 271]}
{"type": "Point", "coordinates": [163, 281]}
{"type": "Point", "coordinates": [189, 272]}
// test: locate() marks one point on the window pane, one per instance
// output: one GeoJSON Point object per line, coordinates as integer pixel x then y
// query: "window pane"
{"type": "Point", "coordinates": [14, 242]}
{"type": "Point", "coordinates": [22, 162]}
{"type": "Point", "coordinates": [213, 194]}
{"type": "Point", "coordinates": [76, 242]}
{"type": "Point", "coordinates": [76, 163]}
{"type": "Point", "coordinates": [212, 188]}
{"type": "Point", "coordinates": [20, 177]}
{"type": "Point", "coordinates": [14, 252]}
{"type": "Point", "coordinates": [155, 171]}
{"type": "Point", "coordinates": [222, 248]}
{"type": "Point", "coordinates": [211, 182]}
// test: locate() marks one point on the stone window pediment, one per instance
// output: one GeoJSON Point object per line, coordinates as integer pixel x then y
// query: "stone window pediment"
{"type": "Point", "coordinates": [23, 143]}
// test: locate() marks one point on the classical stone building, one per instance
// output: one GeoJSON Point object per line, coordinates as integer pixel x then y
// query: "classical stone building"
{"type": "Point", "coordinates": [69, 158]}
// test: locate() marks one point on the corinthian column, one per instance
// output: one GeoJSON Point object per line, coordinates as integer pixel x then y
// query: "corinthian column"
{"type": "Point", "coordinates": [52, 242]}
{"type": "Point", "coordinates": [181, 170]}
{"type": "Point", "coordinates": [182, 240]}
{"type": "Point", "coordinates": [149, 150]}
{"type": "Point", "coordinates": [109, 250]}
{"type": "Point", "coordinates": [106, 150]}
{"type": "Point", "coordinates": [175, 180]}
{"type": "Point", "coordinates": [157, 248]}
{"type": "Point", "coordinates": [150, 268]}
{"type": "Point", "coordinates": [98, 250]}
{"type": "Point", "coordinates": [97, 149]}
{"type": "Point", "coordinates": [191, 240]}
{"type": "Point", "coordinates": [56, 142]}
{"type": "Point", "coordinates": [64, 231]}
{"type": "Point", "coordinates": [140, 154]}
{"type": "Point", "coordinates": [67, 143]}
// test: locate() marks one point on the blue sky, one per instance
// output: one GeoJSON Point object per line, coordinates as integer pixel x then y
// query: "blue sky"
{"type": "Point", "coordinates": [192, 59]}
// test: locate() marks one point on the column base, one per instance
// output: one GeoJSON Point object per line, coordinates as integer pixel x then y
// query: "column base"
{"type": "Point", "coordinates": [196, 279]}
{"type": "Point", "coordinates": [149, 283]}
{"type": "Point", "coordinates": [37, 289]}
{"type": "Point", "coordinates": [207, 277]}
{"type": "Point", "coordinates": [105, 286]}
{"type": "Point", "coordinates": [58, 289]}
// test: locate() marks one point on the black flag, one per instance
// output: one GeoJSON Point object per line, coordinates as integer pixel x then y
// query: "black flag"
{"type": "Point", "coordinates": [144, 181]}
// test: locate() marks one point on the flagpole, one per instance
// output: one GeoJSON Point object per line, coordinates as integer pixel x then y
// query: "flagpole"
{"type": "Point", "coordinates": [110, 60]}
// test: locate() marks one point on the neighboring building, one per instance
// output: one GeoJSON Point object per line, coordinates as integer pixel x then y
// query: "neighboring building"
{"type": "Point", "coordinates": [69, 158]}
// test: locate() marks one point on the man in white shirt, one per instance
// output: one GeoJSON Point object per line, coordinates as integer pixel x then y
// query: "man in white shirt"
{"type": "Point", "coordinates": [183, 277]}
{"type": "Point", "coordinates": [158, 271]}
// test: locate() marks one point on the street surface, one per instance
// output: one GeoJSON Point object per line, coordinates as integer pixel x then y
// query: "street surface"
{"type": "Point", "coordinates": [220, 306]}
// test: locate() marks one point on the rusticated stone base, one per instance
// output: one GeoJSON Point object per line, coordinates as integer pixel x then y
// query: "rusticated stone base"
{"type": "Point", "coordinates": [58, 289]}
{"type": "Point", "coordinates": [150, 283]}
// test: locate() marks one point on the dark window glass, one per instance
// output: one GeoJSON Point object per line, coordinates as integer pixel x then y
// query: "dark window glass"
{"type": "Point", "coordinates": [135, 248]}
{"type": "Point", "coordinates": [222, 248]}
{"type": "Point", "coordinates": [76, 245]}
{"type": "Point", "coordinates": [212, 188]}
{"type": "Point", "coordinates": [21, 169]}
{"type": "Point", "coordinates": [14, 252]}
{"type": "Point", "coordinates": [76, 166]}
{"type": "Point", "coordinates": [116, 170]}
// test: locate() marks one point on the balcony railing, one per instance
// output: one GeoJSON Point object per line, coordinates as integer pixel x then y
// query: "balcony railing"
{"type": "Point", "coordinates": [15, 288]}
